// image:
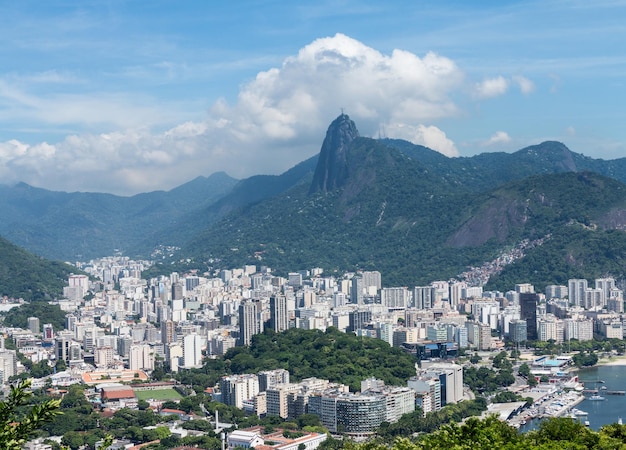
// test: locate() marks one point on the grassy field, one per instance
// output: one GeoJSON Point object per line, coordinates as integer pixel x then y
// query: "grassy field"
{"type": "Point", "coordinates": [159, 394]}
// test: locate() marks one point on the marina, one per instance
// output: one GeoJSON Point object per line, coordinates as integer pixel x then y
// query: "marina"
{"type": "Point", "coordinates": [586, 408]}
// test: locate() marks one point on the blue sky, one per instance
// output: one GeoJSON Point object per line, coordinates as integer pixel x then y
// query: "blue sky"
{"type": "Point", "coordinates": [133, 96]}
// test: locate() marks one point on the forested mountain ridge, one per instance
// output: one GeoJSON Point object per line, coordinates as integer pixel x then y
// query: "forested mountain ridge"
{"type": "Point", "coordinates": [389, 210]}
{"type": "Point", "coordinates": [81, 225]}
{"type": "Point", "coordinates": [24, 275]}
{"type": "Point", "coordinates": [406, 210]}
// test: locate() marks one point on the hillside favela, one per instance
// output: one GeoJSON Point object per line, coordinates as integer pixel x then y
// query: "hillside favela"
{"type": "Point", "coordinates": [306, 357]}
{"type": "Point", "coordinates": [339, 225]}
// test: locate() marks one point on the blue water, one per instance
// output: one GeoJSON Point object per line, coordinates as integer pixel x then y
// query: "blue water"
{"type": "Point", "coordinates": [604, 412]}
{"type": "Point", "coordinates": [614, 407]}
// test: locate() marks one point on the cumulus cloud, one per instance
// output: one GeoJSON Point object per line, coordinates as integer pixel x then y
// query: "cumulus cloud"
{"type": "Point", "coordinates": [525, 85]}
{"type": "Point", "coordinates": [278, 119]}
{"type": "Point", "coordinates": [491, 87]}
{"type": "Point", "coordinates": [499, 137]}
{"type": "Point", "coordinates": [428, 136]}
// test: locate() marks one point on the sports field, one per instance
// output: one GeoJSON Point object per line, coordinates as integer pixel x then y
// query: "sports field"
{"type": "Point", "coordinates": [158, 394]}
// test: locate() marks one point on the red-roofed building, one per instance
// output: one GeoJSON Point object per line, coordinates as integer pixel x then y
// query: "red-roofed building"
{"type": "Point", "coordinates": [118, 396]}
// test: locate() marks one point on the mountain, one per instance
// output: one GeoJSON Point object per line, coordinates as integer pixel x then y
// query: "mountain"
{"type": "Point", "coordinates": [416, 215]}
{"type": "Point", "coordinates": [71, 226]}
{"type": "Point", "coordinates": [404, 209]}
{"type": "Point", "coordinates": [332, 170]}
{"type": "Point", "coordinates": [24, 275]}
{"type": "Point", "coordinates": [244, 193]}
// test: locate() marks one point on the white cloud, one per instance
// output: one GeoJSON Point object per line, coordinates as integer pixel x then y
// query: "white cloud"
{"type": "Point", "coordinates": [499, 137]}
{"type": "Point", "coordinates": [278, 119]}
{"type": "Point", "coordinates": [525, 85]}
{"type": "Point", "coordinates": [428, 136]}
{"type": "Point", "coordinates": [491, 87]}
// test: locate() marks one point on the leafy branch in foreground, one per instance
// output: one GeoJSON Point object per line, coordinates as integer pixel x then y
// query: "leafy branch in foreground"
{"type": "Point", "coordinates": [15, 430]}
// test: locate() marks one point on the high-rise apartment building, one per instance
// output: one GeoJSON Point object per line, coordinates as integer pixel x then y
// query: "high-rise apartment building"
{"type": "Point", "coordinates": [249, 321]}
{"type": "Point", "coordinates": [395, 297]}
{"type": "Point", "coordinates": [238, 388]}
{"type": "Point", "coordinates": [423, 297]}
{"type": "Point", "coordinates": [577, 289]}
{"type": "Point", "coordinates": [279, 315]}
{"type": "Point", "coordinates": [168, 332]}
{"type": "Point", "coordinates": [192, 351]}
{"type": "Point", "coordinates": [33, 324]}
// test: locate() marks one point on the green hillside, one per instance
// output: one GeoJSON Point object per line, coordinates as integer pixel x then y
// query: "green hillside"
{"type": "Point", "coordinates": [24, 275]}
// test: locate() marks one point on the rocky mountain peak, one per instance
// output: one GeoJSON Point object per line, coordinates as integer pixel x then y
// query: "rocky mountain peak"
{"type": "Point", "coordinates": [332, 167]}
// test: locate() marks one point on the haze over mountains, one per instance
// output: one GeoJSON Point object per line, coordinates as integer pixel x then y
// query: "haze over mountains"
{"type": "Point", "coordinates": [408, 211]}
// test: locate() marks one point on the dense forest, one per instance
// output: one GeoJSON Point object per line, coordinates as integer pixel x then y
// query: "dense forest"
{"type": "Point", "coordinates": [333, 355]}
{"type": "Point", "coordinates": [18, 317]}
{"type": "Point", "coordinates": [24, 275]}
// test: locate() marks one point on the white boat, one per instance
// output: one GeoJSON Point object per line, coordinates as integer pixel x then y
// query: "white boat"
{"type": "Point", "coordinates": [579, 412]}
{"type": "Point", "coordinates": [619, 421]}
{"type": "Point", "coordinates": [596, 398]}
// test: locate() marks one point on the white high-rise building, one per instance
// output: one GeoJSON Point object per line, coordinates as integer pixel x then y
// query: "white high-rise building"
{"type": "Point", "coordinates": [577, 289]}
{"type": "Point", "coordinates": [192, 351]}
{"type": "Point", "coordinates": [238, 388]}
{"type": "Point", "coordinates": [423, 297]}
{"type": "Point", "coordinates": [395, 297]}
{"type": "Point", "coordinates": [140, 357]}
{"type": "Point", "coordinates": [249, 322]}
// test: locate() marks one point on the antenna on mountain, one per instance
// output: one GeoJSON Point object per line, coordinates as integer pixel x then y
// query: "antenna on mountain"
{"type": "Point", "coordinates": [341, 110]}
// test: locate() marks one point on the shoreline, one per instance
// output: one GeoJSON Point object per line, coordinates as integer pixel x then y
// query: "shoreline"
{"type": "Point", "coordinates": [613, 361]}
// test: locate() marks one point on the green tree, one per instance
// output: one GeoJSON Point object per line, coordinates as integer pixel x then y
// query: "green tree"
{"type": "Point", "coordinates": [15, 429]}
{"type": "Point", "coordinates": [73, 440]}
{"type": "Point", "coordinates": [524, 370]}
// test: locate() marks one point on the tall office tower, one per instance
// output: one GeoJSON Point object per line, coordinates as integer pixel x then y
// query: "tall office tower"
{"type": "Point", "coordinates": [423, 297]}
{"type": "Point", "coordinates": [192, 351]}
{"type": "Point", "coordinates": [249, 323]}
{"type": "Point", "coordinates": [528, 312]}
{"type": "Point", "coordinates": [518, 331]}
{"type": "Point", "coordinates": [48, 332]}
{"type": "Point", "coordinates": [279, 316]}
{"type": "Point", "coordinates": [191, 283]}
{"type": "Point", "coordinates": [577, 289]}
{"type": "Point", "coordinates": [33, 324]}
{"type": "Point", "coordinates": [168, 334]}
{"type": "Point", "coordinates": [177, 291]}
